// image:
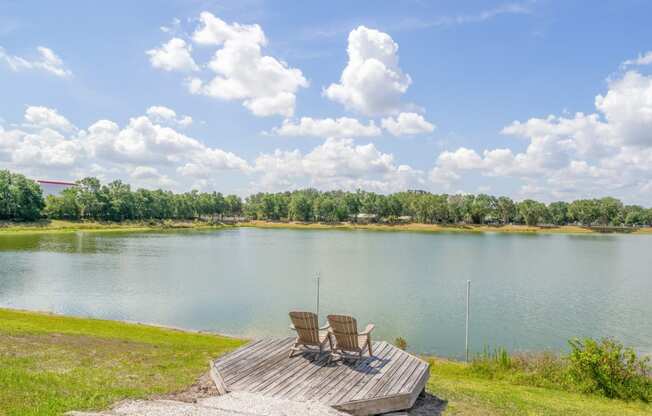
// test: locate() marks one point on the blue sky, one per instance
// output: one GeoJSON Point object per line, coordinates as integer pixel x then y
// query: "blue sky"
{"type": "Point", "coordinates": [450, 77]}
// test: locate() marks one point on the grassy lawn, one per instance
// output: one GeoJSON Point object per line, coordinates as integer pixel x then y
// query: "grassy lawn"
{"type": "Point", "coordinates": [469, 394]}
{"type": "Point", "coordinates": [50, 364]}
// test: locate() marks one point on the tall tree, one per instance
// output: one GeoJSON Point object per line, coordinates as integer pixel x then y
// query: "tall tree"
{"type": "Point", "coordinates": [531, 211]}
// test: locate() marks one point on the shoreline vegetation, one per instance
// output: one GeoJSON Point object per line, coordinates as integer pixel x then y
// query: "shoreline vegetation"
{"type": "Point", "coordinates": [89, 201]}
{"type": "Point", "coordinates": [64, 226]}
{"type": "Point", "coordinates": [54, 363]}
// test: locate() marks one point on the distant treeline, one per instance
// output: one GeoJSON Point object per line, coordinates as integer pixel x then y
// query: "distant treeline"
{"type": "Point", "coordinates": [21, 199]}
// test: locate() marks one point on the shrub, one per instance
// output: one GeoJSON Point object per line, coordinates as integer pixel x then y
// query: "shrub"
{"type": "Point", "coordinates": [492, 363]}
{"type": "Point", "coordinates": [605, 367]}
{"type": "Point", "coordinates": [401, 343]}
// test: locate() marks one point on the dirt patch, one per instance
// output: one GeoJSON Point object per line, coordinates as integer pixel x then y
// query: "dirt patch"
{"type": "Point", "coordinates": [200, 389]}
{"type": "Point", "coordinates": [428, 405]}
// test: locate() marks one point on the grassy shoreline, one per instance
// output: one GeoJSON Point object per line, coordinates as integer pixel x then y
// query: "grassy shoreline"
{"type": "Point", "coordinates": [60, 226]}
{"type": "Point", "coordinates": [52, 363]}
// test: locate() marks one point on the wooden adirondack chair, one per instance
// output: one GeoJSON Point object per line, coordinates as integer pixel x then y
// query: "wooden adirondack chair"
{"type": "Point", "coordinates": [347, 338]}
{"type": "Point", "coordinates": [309, 334]}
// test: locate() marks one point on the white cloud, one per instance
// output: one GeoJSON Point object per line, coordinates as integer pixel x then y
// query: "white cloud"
{"type": "Point", "coordinates": [264, 84]}
{"type": "Point", "coordinates": [147, 153]}
{"type": "Point", "coordinates": [336, 164]}
{"type": "Point", "coordinates": [327, 127]}
{"type": "Point", "coordinates": [372, 82]}
{"type": "Point", "coordinates": [167, 115]}
{"type": "Point", "coordinates": [38, 116]}
{"type": "Point", "coordinates": [175, 55]}
{"type": "Point", "coordinates": [47, 61]}
{"type": "Point", "coordinates": [642, 59]}
{"type": "Point", "coordinates": [215, 31]}
{"type": "Point", "coordinates": [407, 124]}
{"type": "Point", "coordinates": [608, 152]}
{"type": "Point", "coordinates": [627, 107]}
{"type": "Point", "coordinates": [143, 152]}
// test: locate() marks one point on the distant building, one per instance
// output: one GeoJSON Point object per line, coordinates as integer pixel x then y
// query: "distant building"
{"type": "Point", "coordinates": [53, 187]}
{"type": "Point", "coordinates": [366, 218]}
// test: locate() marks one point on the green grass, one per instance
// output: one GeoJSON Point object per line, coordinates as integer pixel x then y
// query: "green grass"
{"type": "Point", "coordinates": [61, 226]}
{"type": "Point", "coordinates": [471, 394]}
{"type": "Point", "coordinates": [51, 364]}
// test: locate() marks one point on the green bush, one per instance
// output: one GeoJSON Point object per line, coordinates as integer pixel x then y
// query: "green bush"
{"type": "Point", "coordinates": [605, 367]}
{"type": "Point", "coordinates": [492, 363]}
{"type": "Point", "coordinates": [401, 343]}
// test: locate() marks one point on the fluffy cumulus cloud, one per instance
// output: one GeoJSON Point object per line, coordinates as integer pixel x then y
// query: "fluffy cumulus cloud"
{"type": "Point", "coordinates": [167, 115]}
{"type": "Point", "coordinates": [175, 55]}
{"type": "Point", "coordinates": [372, 82]}
{"type": "Point", "coordinates": [144, 152]}
{"type": "Point", "coordinates": [238, 70]}
{"type": "Point", "coordinates": [607, 152]}
{"type": "Point", "coordinates": [407, 124]}
{"type": "Point", "coordinates": [46, 60]}
{"type": "Point", "coordinates": [336, 164]}
{"type": "Point", "coordinates": [327, 127]}
{"type": "Point", "coordinates": [44, 117]}
{"type": "Point", "coordinates": [149, 151]}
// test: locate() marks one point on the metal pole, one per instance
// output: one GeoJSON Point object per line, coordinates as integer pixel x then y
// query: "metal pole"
{"type": "Point", "coordinates": [468, 300]}
{"type": "Point", "coordinates": [317, 295]}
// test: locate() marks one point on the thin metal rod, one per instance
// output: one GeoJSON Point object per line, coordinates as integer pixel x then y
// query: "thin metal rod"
{"type": "Point", "coordinates": [468, 301]}
{"type": "Point", "coordinates": [317, 295]}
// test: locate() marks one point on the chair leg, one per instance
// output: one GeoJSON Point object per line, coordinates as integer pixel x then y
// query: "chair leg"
{"type": "Point", "coordinates": [369, 346]}
{"type": "Point", "coordinates": [293, 349]}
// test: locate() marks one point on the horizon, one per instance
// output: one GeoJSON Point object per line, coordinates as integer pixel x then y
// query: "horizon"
{"type": "Point", "coordinates": [528, 99]}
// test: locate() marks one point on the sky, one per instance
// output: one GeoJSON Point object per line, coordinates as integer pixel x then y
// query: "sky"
{"type": "Point", "coordinates": [540, 99]}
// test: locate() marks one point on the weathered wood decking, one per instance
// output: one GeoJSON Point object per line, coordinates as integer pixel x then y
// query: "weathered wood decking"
{"type": "Point", "coordinates": [390, 380]}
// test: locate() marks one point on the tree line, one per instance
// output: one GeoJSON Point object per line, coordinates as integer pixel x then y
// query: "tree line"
{"type": "Point", "coordinates": [21, 199]}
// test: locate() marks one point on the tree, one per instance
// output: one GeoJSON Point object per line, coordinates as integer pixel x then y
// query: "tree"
{"type": "Point", "coordinates": [88, 198]}
{"type": "Point", "coordinates": [558, 212]}
{"type": "Point", "coordinates": [584, 211]}
{"type": "Point", "coordinates": [233, 205]}
{"type": "Point", "coordinates": [483, 208]}
{"type": "Point", "coordinates": [635, 215]}
{"type": "Point", "coordinates": [300, 208]}
{"type": "Point", "coordinates": [21, 199]}
{"type": "Point", "coordinates": [456, 208]}
{"type": "Point", "coordinates": [63, 206]}
{"type": "Point", "coordinates": [120, 201]}
{"type": "Point", "coordinates": [531, 211]}
{"type": "Point", "coordinates": [610, 211]}
{"type": "Point", "coordinates": [505, 209]}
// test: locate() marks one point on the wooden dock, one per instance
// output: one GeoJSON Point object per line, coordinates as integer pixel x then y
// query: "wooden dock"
{"type": "Point", "coordinates": [391, 380]}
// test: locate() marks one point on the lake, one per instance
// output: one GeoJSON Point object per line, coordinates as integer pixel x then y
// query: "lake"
{"type": "Point", "coordinates": [529, 292]}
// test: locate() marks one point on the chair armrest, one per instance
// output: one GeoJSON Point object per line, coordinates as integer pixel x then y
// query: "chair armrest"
{"type": "Point", "coordinates": [325, 327]}
{"type": "Point", "coordinates": [292, 327]}
{"type": "Point", "coordinates": [368, 329]}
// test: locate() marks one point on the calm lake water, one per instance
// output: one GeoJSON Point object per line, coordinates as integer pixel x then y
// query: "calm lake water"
{"type": "Point", "coordinates": [528, 291]}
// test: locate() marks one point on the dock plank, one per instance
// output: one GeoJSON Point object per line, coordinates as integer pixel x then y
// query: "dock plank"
{"type": "Point", "coordinates": [388, 381]}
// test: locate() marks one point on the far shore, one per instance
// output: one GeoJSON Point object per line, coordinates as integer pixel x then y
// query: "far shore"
{"type": "Point", "coordinates": [61, 226]}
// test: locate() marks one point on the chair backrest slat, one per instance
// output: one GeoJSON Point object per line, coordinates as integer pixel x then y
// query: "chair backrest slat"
{"type": "Point", "coordinates": [345, 329]}
{"type": "Point", "coordinates": [307, 326]}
